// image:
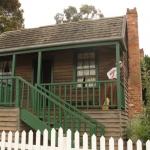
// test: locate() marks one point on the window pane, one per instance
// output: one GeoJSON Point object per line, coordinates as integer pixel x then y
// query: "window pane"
{"type": "Point", "coordinates": [79, 65]}
{"type": "Point", "coordinates": [92, 55]}
{"type": "Point", "coordinates": [80, 73]}
{"type": "Point", "coordinates": [86, 72]}
{"type": "Point", "coordinates": [92, 64]}
{"type": "Point", "coordinates": [92, 72]}
{"type": "Point", "coordinates": [86, 55]}
{"type": "Point", "coordinates": [86, 64]}
{"type": "Point", "coordinates": [80, 56]}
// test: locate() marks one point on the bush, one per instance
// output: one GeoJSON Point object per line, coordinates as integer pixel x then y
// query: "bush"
{"type": "Point", "coordinates": [139, 128]}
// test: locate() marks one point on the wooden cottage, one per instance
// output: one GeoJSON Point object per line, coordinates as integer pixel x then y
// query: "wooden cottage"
{"type": "Point", "coordinates": [57, 76]}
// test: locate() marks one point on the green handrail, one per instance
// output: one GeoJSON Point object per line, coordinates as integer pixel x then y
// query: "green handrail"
{"type": "Point", "coordinates": [48, 109]}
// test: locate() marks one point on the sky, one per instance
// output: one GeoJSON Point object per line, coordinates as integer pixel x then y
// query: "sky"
{"type": "Point", "coordinates": [41, 13]}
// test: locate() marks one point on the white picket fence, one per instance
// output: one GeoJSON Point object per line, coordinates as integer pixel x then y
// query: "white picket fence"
{"type": "Point", "coordinates": [24, 141]}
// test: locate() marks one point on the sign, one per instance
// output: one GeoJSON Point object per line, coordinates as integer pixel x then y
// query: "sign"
{"type": "Point", "coordinates": [112, 73]}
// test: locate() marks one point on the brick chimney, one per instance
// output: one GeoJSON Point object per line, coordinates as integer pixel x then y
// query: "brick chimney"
{"type": "Point", "coordinates": [134, 80]}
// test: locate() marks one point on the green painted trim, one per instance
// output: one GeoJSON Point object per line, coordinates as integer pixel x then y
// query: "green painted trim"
{"type": "Point", "coordinates": [39, 65]}
{"type": "Point", "coordinates": [118, 75]}
{"type": "Point", "coordinates": [33, 121]}
{"type": "Point", "coordinates": [61, 47]}
{"type": "Point", "coordinates": [13, 64]}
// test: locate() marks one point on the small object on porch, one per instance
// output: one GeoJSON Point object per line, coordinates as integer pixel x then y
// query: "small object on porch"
{"type": "Point", "coordinates": [106, 104]}
{"type": "Point", "coordinates": [112, 73]}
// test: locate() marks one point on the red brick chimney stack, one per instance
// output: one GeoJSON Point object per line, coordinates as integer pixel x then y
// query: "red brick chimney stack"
{"type": "Point", "coordinates": [134, 81]}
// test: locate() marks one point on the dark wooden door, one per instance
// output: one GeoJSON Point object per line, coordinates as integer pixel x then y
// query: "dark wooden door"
{"type": "Point", "coordinates": [46, 71]}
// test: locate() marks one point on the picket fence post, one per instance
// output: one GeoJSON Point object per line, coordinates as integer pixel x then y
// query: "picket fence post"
{"type": "Point", "coordinates": [139, 145]}
{"type": "Point", "coordinates": [94, 143]}
{"type": "Point", "coordinates": [30, 139]}
{"type": "Point", "coordinates": [120, 144]}
{"type": "Point", "coordinates": [60, 139]}
{"type": "Point", "coordinates": [53, 138]}
{"type": "Point", "coordinates": [3, 140]}
{"type": "Point", "coordinates": [68, 139]}
{"type": "Point", "coordinates": [77, 139]}
{"type": "Point", "coordinates": [38, 139]}
{"type": "Point", "coordinates": [9, 140]}
{"type": "Point", "coordinates": [85, 141]}
{"type": "Point", "coordinates": [45, 139]}
{"type": "Point", "coordinates": [23, 140]}
{"type": "Point", "coordinates": [102, 143]}
{"type": "Point", "coordinates": [148, 145]}
{"type": "Point", "coordinates": [111, 144]}
{"type": "Point", "coordinates": [129, 145]}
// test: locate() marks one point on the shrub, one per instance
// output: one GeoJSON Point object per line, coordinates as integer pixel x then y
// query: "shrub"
{"type": "Point", "coordinates": [139, 128]}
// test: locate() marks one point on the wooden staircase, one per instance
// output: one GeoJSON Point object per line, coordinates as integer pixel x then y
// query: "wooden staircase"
{"type": "Point", "coordinates": [115, 122]}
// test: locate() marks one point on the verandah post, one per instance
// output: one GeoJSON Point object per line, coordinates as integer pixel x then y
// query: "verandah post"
{"type": "Point", "coordinates": [118, 75]}
{"type": "Point", "coordinates": [39, 67]}
{"type": "Point", "coordinates": [13, 74]}
{"type": "Point", "coordinates": [13, 64]}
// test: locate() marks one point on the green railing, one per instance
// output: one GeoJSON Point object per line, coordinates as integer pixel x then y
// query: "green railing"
{"type": "Point", "coordinates": [48, 109]}
{"type": "Point", "coordinates": [6, 90]}
{"type": "Point", "coordinates": [68, 106]}
{"type": "Point", "coordinates": [87, 95]}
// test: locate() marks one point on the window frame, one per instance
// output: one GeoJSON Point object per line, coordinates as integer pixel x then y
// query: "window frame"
{"type": "Point", "coordinates": [3, 65]}
{"type": "Point", "coordinates": [76, 62]}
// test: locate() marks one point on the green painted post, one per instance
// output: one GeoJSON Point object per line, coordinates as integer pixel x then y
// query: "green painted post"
{"type": "Point", "coordinates": [13, 74]}
{"type": "Point", "coordinates": [118, 76]}
{"type": "Point", "coordinates": [39, 67]}
{"type": "Point", "coordinates": [17, 92]}
{"type": "Point", "coordinates": [13, 64]}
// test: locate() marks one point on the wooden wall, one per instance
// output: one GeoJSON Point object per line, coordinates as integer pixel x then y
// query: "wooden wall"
{"type": "Point", "coordinates": [24, 66]}
{"type": "Point", "coordinates": [106, 60]}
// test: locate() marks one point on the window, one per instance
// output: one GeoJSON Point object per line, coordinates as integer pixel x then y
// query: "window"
{"type": "Point", "coordinates": [5, 68]}
{"type": "Point", "coordinates": [86, 69]}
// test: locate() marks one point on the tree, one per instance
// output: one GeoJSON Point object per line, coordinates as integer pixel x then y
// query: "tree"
{"type": "Point", "coordinates": [145, 74]}
{"type": "Point", "coordinates": [71, 14]}
{"type": "Point", "coordinates": [11, 15]}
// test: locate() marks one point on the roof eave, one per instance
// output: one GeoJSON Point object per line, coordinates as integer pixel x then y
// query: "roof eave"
{"type": "Point", "coordinates": [59, 44]}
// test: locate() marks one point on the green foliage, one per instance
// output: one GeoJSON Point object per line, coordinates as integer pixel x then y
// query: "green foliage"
{"type": "Point", "coordinates": [139, 128]}
{"type": "Point", "coordinates": [145, 75]}
{"type": "Point", "coordinates": [71, 14]}
{"type": "Point", "coordinates": [11, 16]}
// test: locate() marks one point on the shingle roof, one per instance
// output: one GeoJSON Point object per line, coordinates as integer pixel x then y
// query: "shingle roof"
{"type": "Point", "coordinates": [106, 28]}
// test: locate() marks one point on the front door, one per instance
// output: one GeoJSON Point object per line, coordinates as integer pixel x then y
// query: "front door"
{"type": "Point", "coordinates": [46, 71]}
